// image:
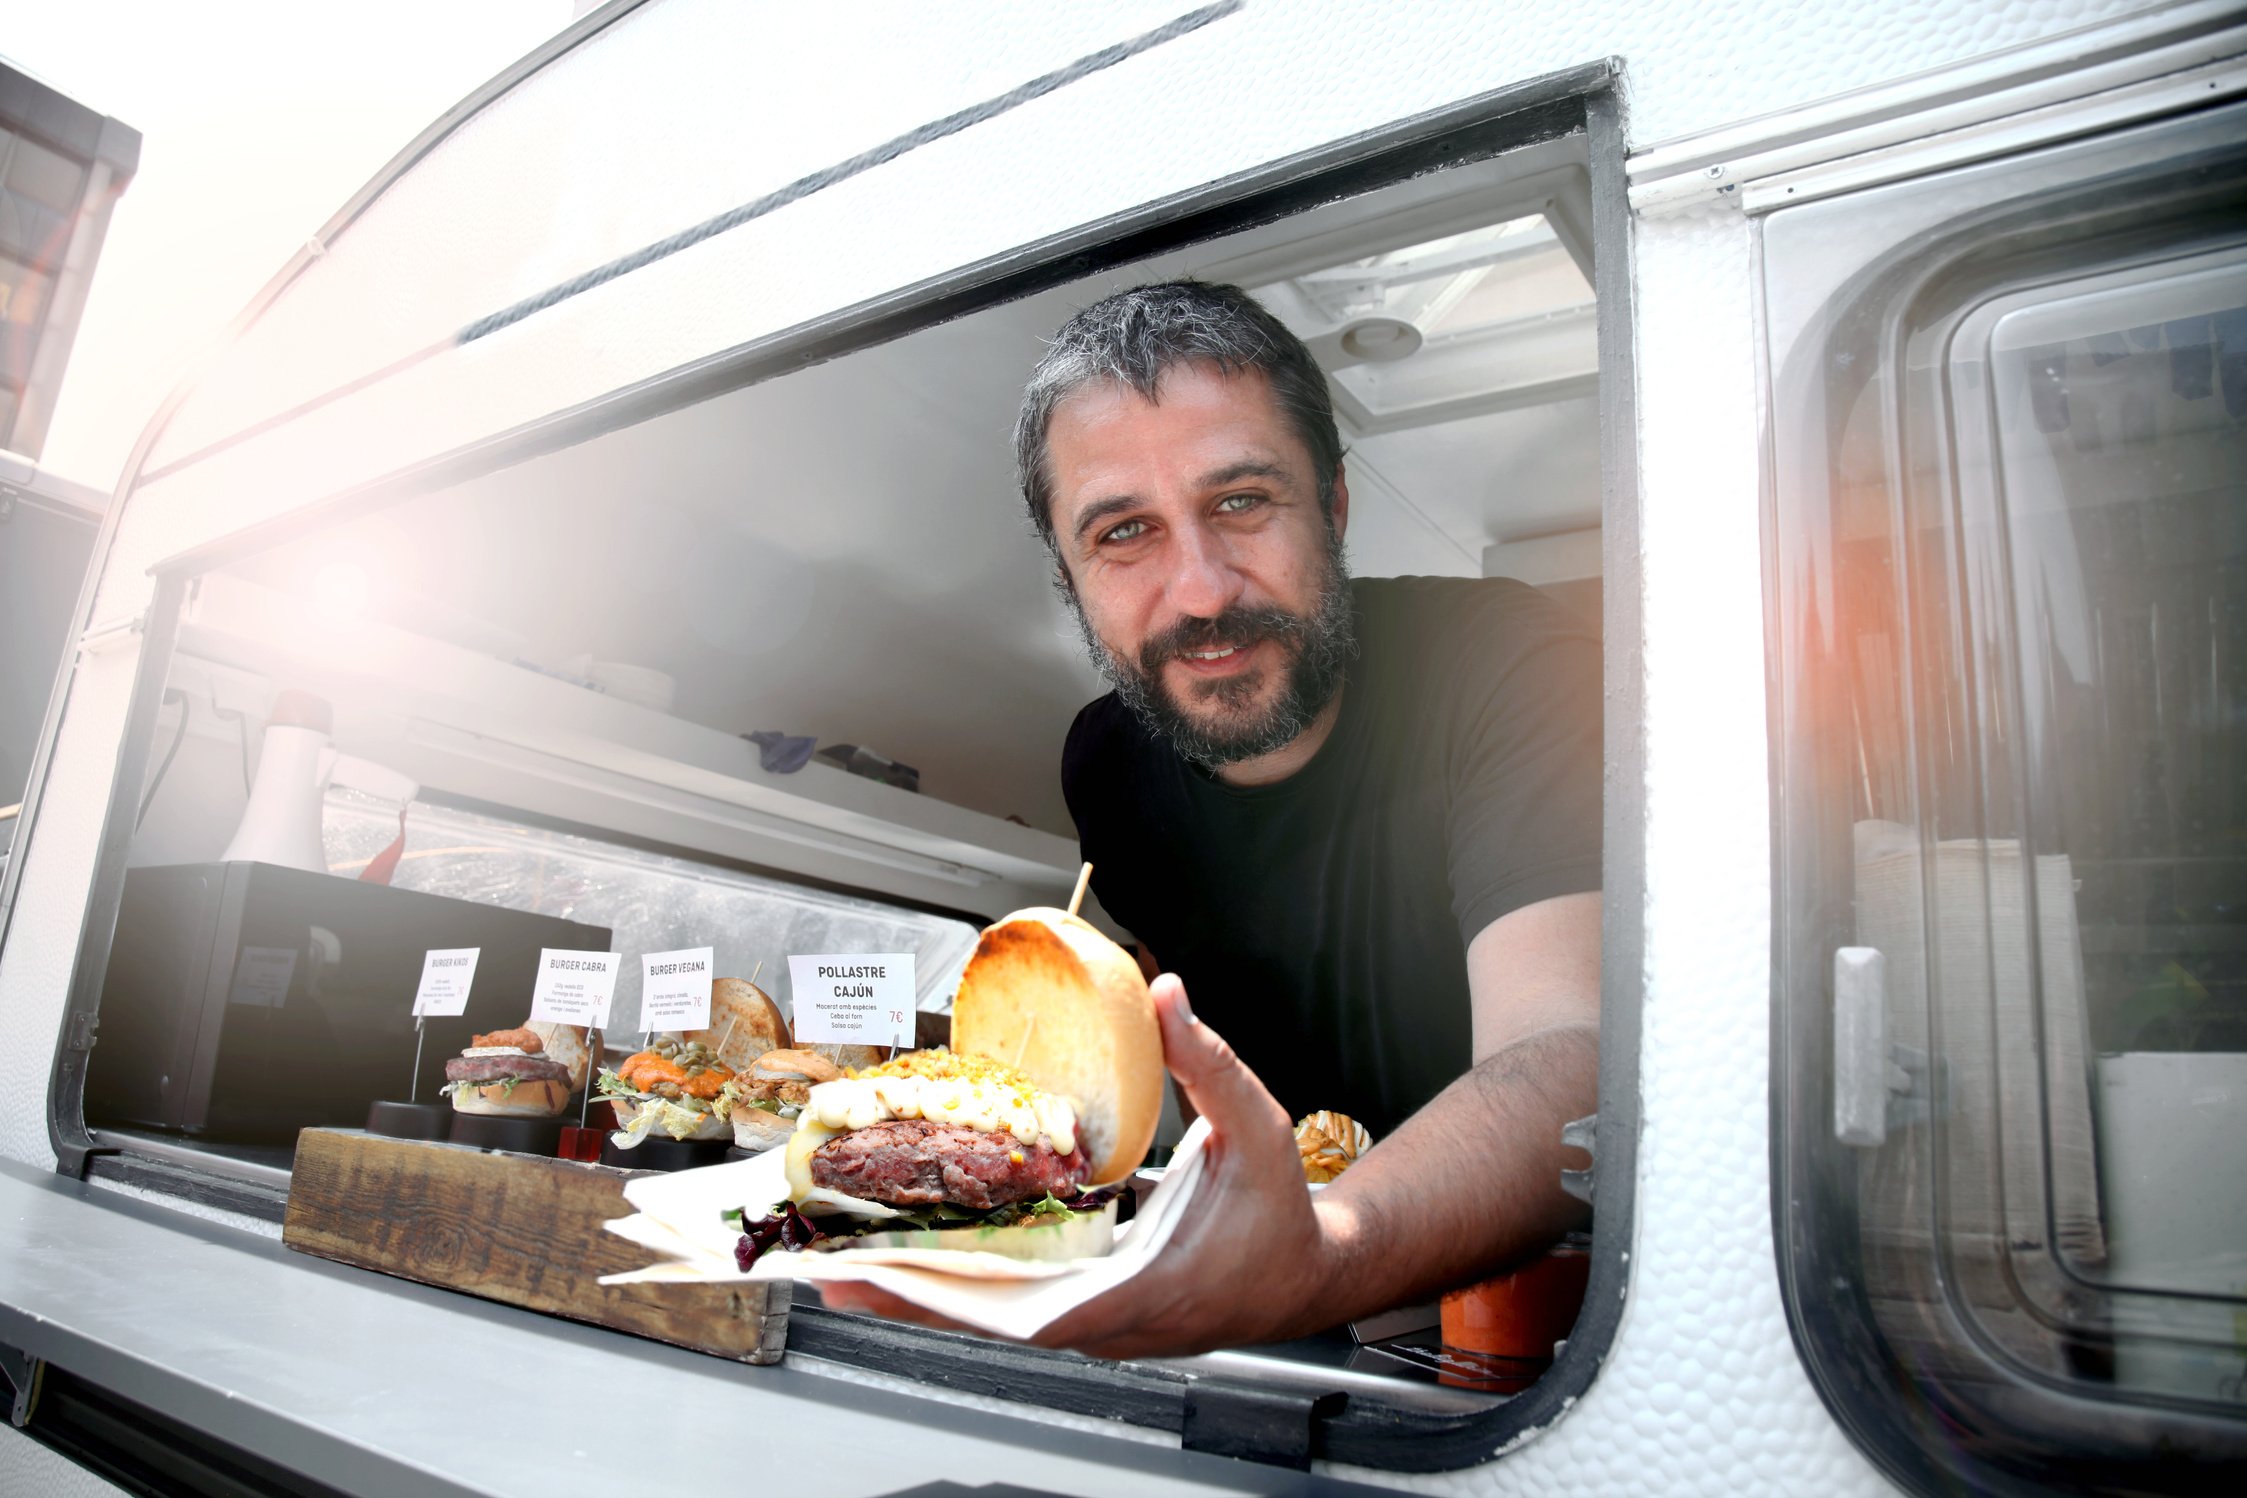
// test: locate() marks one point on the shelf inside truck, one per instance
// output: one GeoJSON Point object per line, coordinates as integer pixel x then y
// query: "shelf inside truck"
{"type": "Point", "coordinates": [500, 732]}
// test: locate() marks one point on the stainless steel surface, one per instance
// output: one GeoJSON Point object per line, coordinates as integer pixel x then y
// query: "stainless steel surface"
{"type": "Point", "coordinates": [181, 1152]}
{"type": "Point", "coordinates": [1254, 1367]}
{"type": "Point", "coordinates": [364, 1380]}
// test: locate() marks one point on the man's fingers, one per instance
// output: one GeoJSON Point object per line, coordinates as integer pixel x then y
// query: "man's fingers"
{"type": "Point", "coordinates": [1222, 1090]}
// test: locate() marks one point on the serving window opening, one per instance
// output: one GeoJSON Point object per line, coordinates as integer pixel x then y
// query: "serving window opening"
{"type": "Point", "coordinates": [783, 670]}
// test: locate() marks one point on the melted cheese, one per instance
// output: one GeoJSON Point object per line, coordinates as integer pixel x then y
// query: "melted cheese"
{"type": "Point", "coordinates": [809, 1136]}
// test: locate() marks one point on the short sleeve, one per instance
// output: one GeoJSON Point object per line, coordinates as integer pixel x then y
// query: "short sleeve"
{"type": "Point", "coordinates": [1524, 761]}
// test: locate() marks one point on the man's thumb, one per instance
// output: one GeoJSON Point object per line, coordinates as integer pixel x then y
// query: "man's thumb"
{"type": "Point", "coordinates": [1221, 1089]}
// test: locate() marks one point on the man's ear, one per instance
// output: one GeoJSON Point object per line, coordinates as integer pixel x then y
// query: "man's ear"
{"type": "Point", "coordinates": [1341, 519]}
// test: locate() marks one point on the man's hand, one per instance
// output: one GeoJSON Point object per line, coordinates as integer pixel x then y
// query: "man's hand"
{"type": "Point", "coordinates": [1465, 1186]}
{"type": "Point", "coordinates": [1247, 1263]}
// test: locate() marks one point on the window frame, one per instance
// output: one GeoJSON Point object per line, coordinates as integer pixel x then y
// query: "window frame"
{"type": "Point", "coordinates": [1583, 101]}
{"type": "Point", "coordinates": [1929, 1431]}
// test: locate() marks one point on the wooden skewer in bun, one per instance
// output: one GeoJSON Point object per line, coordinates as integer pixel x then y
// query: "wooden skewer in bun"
{"type": "Point", "coordinates": [744, 1023]}
{"type": "Point", "coordinates": [1048, 988]}
{"type": "Point", "coordinates": [567, 1045]}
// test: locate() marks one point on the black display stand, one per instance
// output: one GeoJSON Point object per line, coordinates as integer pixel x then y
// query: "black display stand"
{"type": "Point", "coordinates": [667, 1154]}
{"type": "Point", "coordinates": [523, 1136]}
{"type": "Point", "coordinates": [410, 1120]}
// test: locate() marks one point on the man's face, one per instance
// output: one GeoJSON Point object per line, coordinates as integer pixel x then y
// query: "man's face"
{"type": "Point", "coordinates": [1207, 580]}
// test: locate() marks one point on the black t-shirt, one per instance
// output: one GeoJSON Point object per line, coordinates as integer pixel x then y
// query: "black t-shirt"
{"type": "Point", "coordinates": [1321, 923]}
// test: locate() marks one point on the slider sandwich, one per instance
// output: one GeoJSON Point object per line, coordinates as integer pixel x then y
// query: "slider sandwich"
{"type": "Point", "coordinates": [504, 1075]}
{"type": "Point", "coordinates": [678, 1084]}
{"type": "Point", "coordinates": [763, 1103]}
{"type": "Point", "coordinates": [1005, 1143]}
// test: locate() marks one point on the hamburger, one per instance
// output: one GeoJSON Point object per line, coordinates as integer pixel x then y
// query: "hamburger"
{"type": "Point", "coordinates": [673, 1086]}
{"type": "Point", "coordinates": [504, 1075]}
{"type": "Point", "coordinates": [763, 1103]}
{"type": "Point", "coordinates": [1010, 1142]}
{"type": "Point", "coordinates": [677, 1085]}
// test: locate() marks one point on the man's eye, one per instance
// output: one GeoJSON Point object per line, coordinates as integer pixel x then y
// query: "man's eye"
{"type": "Point", "coordinates": [1130, 530]}
{"type": "Point", "coordinates": [1235, 503]}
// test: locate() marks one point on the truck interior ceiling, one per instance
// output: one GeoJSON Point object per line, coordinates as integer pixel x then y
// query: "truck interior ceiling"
{"type": "Point", "coordinates": [843, 553]}
{"type": "Point", "coordinates": [788, 664]}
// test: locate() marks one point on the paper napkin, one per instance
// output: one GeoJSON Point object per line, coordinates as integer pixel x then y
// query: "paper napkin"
{"type": "Point", "coordinates": [681, 1216]}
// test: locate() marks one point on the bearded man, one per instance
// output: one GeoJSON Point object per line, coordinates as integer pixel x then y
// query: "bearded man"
{"type": "Point", "coordinates": [1358, 822]}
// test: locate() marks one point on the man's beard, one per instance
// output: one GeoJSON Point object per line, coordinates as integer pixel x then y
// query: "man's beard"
{"type": "Point", "coordinates": [1320, 646]}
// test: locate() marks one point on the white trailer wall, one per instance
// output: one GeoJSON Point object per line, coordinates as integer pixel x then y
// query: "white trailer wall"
{"type": "Point", "coordinates": [1703, 1392]}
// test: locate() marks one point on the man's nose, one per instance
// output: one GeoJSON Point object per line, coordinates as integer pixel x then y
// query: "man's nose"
{"type": "Point", "coordinates": [1203, 580]}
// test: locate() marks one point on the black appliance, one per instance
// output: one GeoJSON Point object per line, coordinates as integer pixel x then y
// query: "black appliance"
{"type": "Point", "coordinates": [245, 1001]}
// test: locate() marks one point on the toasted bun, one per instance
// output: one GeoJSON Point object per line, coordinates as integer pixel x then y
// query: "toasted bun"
{"type": "Point", "coordinates": [528, 1100]}
{"type": "Point", "coordinates": [853, 1057]}
{"type": "Point", "coordinates": [796, 1066]}
{"type": "Point", "coordinates": [1049, 989]}
{"type": "Point", "coordinates": [755, 1129]}
{"type": "Point", "coordinates": [565, 1044]}
{"type": "Point", "coordinates": [745, 1018]}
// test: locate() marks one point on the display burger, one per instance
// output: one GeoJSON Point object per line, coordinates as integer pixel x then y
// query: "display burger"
{"type": "Point", "coordinates": [764, 1102]}
{"type": "Point", "coordinates": [678, 1086]}
{"type": "Point", "coordinates": [1009, 1141]}
{"type": "Point", "coordinates": [507, 1073]}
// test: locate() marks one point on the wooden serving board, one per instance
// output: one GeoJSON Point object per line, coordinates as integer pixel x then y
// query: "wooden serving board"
{"type": "Point", "coordinates": [521, 1229]}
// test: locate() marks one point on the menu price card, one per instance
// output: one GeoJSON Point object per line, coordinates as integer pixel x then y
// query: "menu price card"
{"type": "Point", "coordinates": [854, 1000]}
{"type": "Point", "coordinates": [675, 989]}
{"type": "Point", "coordinates": [446, 973]}
{"type": "Point", "coordinates": [574, 988]}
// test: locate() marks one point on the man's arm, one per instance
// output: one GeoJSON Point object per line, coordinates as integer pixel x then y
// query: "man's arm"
{"type": "Point", "coordinates": [1469, 1183]}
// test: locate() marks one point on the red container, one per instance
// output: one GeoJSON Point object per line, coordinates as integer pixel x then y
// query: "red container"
{"type": "Point", "coordinates": [581, 1143]}
{"type": "Point", "coordinates": [584, 1143]}
{"type": "Point", "coordinates": [1522, 1314]}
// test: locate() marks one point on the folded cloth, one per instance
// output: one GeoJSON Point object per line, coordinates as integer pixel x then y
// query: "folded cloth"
{"type": "Point", "coordinates": [781, 753]}
{"type": "Point", "coordinates": [681, 1215]}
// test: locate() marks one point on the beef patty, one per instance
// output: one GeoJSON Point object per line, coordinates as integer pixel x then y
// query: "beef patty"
{"type": "Point", "coordinates": [490, 1069]}
{"type": "Point", "coordinates": [910, 1162]}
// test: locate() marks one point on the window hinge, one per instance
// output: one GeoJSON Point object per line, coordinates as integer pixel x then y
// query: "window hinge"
{"type": "Point", "coordinates": [82, 1028]}
{"type": "Point", "coordinates": [1255, 1423]}
{"type": "Point", "coordinates": [22, 1373]}
{"type": "Point", "coordinates": [1581, 1134]}
{"type": "Point", "coordinates": [103, 637]}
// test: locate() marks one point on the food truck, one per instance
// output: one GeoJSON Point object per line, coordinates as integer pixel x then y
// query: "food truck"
{"type": "Point", "coordinates": [1873, 377]}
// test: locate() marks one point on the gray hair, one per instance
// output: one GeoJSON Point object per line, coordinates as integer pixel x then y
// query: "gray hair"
{"type": "Point", "coordinates": [1134, 337]}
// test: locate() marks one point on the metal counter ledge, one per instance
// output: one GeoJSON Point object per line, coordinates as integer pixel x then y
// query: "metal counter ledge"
{"type": "Point", "coordinates": [379, 1386]}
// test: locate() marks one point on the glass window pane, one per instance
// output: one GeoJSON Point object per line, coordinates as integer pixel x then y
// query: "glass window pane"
{"type": "Point", "coordinates": [2009, 533]}
{"type": "Point", "coordinates": [646, 899]}
{"type": "Point", "coordinates": [44, 176]}
{"type": "Point", "coordinates": [2121, 458]}
{"type": "Point", "coordinates": [23, 301]}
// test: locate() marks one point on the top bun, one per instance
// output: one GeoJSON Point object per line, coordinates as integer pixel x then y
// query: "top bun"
{"type": "Point", "coordinates": [849, 1057]}
{"type": "Point", "coordinates": [1046, 987]}
{"type": "Point", "coordinates": [566, 1045]}
{"type": "Point", "coordinates": [745, 1018]}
